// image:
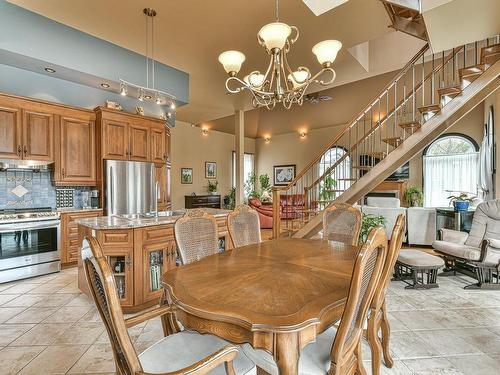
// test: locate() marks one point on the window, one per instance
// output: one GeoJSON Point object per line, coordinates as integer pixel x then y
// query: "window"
{"type": "Point", "coordinates": [248, 167]}
{"type": "Point", "coordinates": [450, 166]}
{"type": "Point", "coordinates": [339, 176]}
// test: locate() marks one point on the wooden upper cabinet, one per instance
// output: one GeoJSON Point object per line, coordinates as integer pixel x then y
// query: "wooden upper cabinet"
{"type": "Point", "coordinates": [115, 142]}
{"type": "Point", "coordinates": [38, 136]}
{"type": "Point", "coordinates": [161, 178]}
{"type": "Point", "coordinates": [78, 151]}
{"type": "Point", "coordinates": [168, 147]}
{"type": "Point", "coordinates": [139, 142]}
{"type": "Point", "coordinates": [10, 133]}
{"type": "Point", "coordinates": [158, 151]}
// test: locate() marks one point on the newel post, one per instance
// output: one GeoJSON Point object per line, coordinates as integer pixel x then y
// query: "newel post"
{"type": "Point", "coordinates": [276, 213]}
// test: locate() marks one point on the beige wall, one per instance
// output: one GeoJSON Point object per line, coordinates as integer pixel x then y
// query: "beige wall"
{"type": "Point", "coordinates": [191, 149]}
{"type": "Point", "coordinates": [494, 100]}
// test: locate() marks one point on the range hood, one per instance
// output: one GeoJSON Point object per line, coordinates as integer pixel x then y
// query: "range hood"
{"type": "Point", "coordinates": [23, 165]}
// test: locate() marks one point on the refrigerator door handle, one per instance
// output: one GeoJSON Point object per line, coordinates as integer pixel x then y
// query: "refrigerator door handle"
{"type": "Point", "coordinates": [157, 194]}
{"type": "Point", "coordinates": [112, 190]}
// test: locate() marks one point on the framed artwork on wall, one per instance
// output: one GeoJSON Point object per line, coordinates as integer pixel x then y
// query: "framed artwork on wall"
{"type": "Point", "coordinates": [186, 175]}
{"type": "Point", "coordinates": [283, 174]}
{"type": "Point", "coordinates": [210, 169]}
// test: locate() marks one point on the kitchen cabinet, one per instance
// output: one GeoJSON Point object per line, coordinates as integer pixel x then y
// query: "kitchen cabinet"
{"type": "Point", "coordinates": [158, 140]}
{"type": "Point", "coordinates": [10, 133]}
{"type": "Point", "coordinates": [38, 135]}
{"type": "Point", "coordinates": [168, 147]}
{"type": "Point", "coordinates": [161, 178]}
{"type": "Point", "coordinates": [140, 142]}
{"type": "Point", "coordinates": [115, 141]}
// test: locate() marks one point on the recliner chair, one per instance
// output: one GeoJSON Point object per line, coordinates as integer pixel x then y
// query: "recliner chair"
{"type": "Point", "coordinates": [477, 251]}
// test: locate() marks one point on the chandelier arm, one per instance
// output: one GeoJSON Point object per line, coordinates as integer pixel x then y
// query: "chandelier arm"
{"type": "Point", "coordinates": [321, 82]}
{"type": "Point", "coordinates": [297, 34]}
{"type": "Point", "coordinates": [269, 67]}
{"type": "Point", "coordinates": [238, 89]}
{"type": "Point", "coordinates": [283, 66]}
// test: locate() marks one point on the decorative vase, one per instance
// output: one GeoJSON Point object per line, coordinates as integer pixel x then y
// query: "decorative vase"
{"type": "Point", "coordinates": [461, 205]}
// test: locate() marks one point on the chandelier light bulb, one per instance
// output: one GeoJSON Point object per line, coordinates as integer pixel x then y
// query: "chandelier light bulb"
{"type": "Point", "coordinates": [158, 100]}
{"type": "Point", "coordinates": [274, 35]}
{"type": "Point", "coordinates": [172, 106]}
{"type": "Point", "coordinates": [298, 77]}
{"type": "Point", "coordinates": [141, 95]}
{"type": "Point", "coordinates": [254, 79]}
{"type": "Point", "coordinates": [123, 90]}
{"type": "Point", "coordinates": [326, 51]}
{"type": "Point", "coordinates": [231, 61]}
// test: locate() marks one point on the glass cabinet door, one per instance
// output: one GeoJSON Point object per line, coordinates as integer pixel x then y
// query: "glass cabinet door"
{"type": "Point", "coordinates": [158, 259]}
{"type": "Point", "coordinates": [121, 266]}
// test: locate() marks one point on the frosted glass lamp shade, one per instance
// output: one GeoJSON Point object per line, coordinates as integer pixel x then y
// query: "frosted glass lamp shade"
{"type": "Point", "coordinates": [326, 51]}
{"type": "Point", "coordinates": [254, 80]}
{"type": "Point", "coordinates": [298, 77]}
{"type": "Point", "coordinates": [274, 35]}
{"type": "Point", "coordinates": [231, 61]}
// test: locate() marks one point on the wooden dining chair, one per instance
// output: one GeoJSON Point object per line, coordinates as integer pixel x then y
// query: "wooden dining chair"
{"type": "Point", "coordinates": [196, 236]}
{"type": "Point", "coordinates": [377, 320]}
{"type": "Point", "coordinates": [338, 351]}
{"type": "Point", "coordinates": [342, 223]}
{"type": "Point", "coordinates": [243, 225]}
{"type": "Point", "coordinates": [179, 353]}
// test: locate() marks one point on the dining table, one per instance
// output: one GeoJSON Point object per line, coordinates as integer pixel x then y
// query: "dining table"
{"type": "Point", "coordinates": [277, 295]}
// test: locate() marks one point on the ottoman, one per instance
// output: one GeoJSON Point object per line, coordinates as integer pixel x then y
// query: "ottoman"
{"type": "Point", "coordinates": [418, 269]}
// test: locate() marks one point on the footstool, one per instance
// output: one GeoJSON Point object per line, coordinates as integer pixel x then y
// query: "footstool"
{"type": "Point", "coordinates": [419, 267]}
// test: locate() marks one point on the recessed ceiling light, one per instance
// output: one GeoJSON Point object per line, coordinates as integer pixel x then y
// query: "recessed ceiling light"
{"type": "Point", "coordinates": [148, 97]}
{"type": "Point", "coordinates": [50, 70]}
{"type": "Point", "coordinates": [105, 85]}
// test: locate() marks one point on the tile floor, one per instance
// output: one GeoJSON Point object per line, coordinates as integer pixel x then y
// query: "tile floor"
{"type": "Point", "coordinates": [48, 327]}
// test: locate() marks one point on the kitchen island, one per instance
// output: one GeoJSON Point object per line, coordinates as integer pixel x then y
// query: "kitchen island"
{"type": "Point", "coordinates": [139, 250]}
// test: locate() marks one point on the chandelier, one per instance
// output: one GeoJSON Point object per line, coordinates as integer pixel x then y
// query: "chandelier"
{"type": "Point", "coordinates": [279, 83]}
{"type": "Point", "coordinates": [148, 92]}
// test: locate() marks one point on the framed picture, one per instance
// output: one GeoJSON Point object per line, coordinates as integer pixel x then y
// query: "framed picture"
{"type": "Point", "coordinates": [283, 174]}
{"type": "Point", "coordinates": [210, 169]}
{"type": "Point", "coordinates": [186, 175]}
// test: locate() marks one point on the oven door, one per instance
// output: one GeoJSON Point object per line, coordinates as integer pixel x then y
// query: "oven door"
{"type": "Point", "coordinates": [28, 243]}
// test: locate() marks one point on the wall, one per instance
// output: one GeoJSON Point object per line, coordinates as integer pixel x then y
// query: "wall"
{"type": "Point", "coordinates": [191, 149]}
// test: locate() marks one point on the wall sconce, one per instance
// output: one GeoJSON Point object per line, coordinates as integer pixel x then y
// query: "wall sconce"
{"type": "Point", "coordinates": [267, 139]}
{"type": "Point", "coordinates": [302, 134]}
{"type": "Point", "coordinates": [204, 131]}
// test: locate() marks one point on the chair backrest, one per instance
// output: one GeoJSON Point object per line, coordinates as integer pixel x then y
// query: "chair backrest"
{"type": "Point", "coordinates": [485, 224]}
{"type": "Point", "coordinates": [196, 236]}
{"type": "Point", "coordinates": [342, 223]}
{"type": "Point", "coordinates": [103, 289]}
{"type": "Point", "coordinates": [244, 226]}
{"type": "Point", "coordinates": [398, 233]}
{"type": "Point", "coordinates": [365, 277]}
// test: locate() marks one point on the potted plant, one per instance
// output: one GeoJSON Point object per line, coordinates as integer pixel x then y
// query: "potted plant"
{"type": "Point", "coordinates": [265, 185]}
{"type": "Point", "coordinates": [212, 187]}
{"type": "Point", "coordinates": [230, 199]}
{"type": "Point", "coordinates": [250, 191]}
{"type": "Point", "coordinates": [414, 197]}
{"type": "Point", "coordinates": [460, 202]}
{"type": "Point", "coordinates": [368, 223]}
{"type": "Point", "coordinates": [326, 192]}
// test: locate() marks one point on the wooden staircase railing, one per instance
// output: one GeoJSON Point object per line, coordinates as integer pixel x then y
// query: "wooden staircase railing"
{"type": "Point", "coordinates": [419, 91]}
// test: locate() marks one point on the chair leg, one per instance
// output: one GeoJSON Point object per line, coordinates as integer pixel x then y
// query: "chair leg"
{"type": "Point", "coordinates": [386, 337]}
{"type": "Point", "coordinates": [373, 339]}
{"type": "Point", "coordinates": [360, 369]}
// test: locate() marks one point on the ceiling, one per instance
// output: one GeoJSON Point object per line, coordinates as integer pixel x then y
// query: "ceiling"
{"type": "Point", "coordinates": [189, 35]}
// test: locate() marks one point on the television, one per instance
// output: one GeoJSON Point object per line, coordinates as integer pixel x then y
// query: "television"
{"type": "Point", "coordinates": [402, 173]}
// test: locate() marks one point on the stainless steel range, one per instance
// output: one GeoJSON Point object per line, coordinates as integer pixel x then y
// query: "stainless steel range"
{"type": "Point", "coordinates": [29, 243]}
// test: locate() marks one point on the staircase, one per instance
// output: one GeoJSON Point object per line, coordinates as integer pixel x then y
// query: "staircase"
{"type": "Point", "coordinates": [406, 17]}
{"type": "Point", "coordinates": [430, 94]}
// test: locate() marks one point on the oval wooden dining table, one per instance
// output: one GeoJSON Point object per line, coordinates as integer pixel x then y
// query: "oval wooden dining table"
{"type": "Point", "coordinates": [277, 295]}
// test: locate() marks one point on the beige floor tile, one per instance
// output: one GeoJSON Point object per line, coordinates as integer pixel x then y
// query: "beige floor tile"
{"type": "Point", "coordinates": [81, 333]}
{"type": "Point", "coordinates": [7, 313]}
{"type": "Point", "coordinates": [10, 332]}
{"type": "Point", "coordinates": [446, 343]}
{"type": "Point", "coordinates": [407, 345]}
{"type": "Point", "coordinates": [24, 300]}
{"type": "Point", "coordinates": [140, 346]}
{"type": "Point", "coordinates": [5, 298]}
{"type": "Point", "coordinates": [5, 286]}
{"type": "Point", "coordinates": [54, 300]}
{"type": "Point", "coordinates": [431, 366]}
{"type": "Point", "coordinates": [70, 288]}
{"type": "Point", "coordinates": [417, 319]}
{"type": "Point", "coordinates": [97, 359]}
{"type": "Point", "coordinates": [40, 279]}
{"type": "Point", "coordinates": [33, 315]}
{"type": "Point", "coordinates": [396, 324]}
{"type": "Point", "coordinates": [13, 359]}
{"type": "Point", "coordinates": [153, 331]}
{"type": "Point", "coordinates": [482, 338]}
{"type": "Point", "coordinates": [81, 300]}
{"type": "Point", "coordinates": [91, 316]}
{"type": "Point", "coordinates": [476, 364]}
{"type": "Point", "coordinates": [41, 334]}
{"type": "Point", "coordinates": [47, 288]}
{"type": "Point", "coordinates": [399, 368]}
{"type": "Point", "coordinates": [19, 288]}
{"type": "Point", "coordinates": [67, 314]}
{"type": "Point", "coordinates": [421, 301]}
{"type": "Point", "coordinates": [56, 359]}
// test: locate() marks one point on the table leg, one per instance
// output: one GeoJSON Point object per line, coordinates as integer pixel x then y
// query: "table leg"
{"type": "Point", "coordinates": [286, 353]}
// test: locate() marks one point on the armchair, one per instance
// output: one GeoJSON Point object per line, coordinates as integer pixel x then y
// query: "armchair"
{"type": "Point", "coordinates": [479, 250]}
{"type": "Point", "coordinates": [265, 212]}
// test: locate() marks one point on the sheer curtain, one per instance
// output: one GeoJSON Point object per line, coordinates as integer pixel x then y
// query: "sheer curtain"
{"type": "Point", "coordinates": [449, 172]}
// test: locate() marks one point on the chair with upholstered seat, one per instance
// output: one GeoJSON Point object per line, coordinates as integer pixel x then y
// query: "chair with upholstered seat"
{"type": "Point", "coordinates": [478, 250]}
{"type": "Point", "coordinates": [338, 351]}
{"type": "Point", "coordinates": [244, 226]}
{"type": "Point", "coordinates": [378, 316]}
{"type": "Point", "coordinates": [342, 223]}
{"type": "Point", "coordinates": [196, 236]}
{"type": "Point", "coordinates": [183, 352]}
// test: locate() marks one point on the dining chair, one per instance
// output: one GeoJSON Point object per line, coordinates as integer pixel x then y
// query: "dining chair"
{"type": "Point", "coordinates": [183, 352]}
{"type": "Point", "coordinates": [243, 225]}
{"type": "Point", "coordinates": [196, 236]}
{"type": "Point", "coordinates": [342, 223]}
{"type": "Point", "coordinates": [377, 320]}
{"type": "Point", "coordinates": [338, 351]}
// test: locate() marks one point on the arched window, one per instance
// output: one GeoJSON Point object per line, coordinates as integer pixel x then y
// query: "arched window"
{"type": "Point", "coordinates": [450, 167]}
{"type": "Point", "coordinates": [338, 177]}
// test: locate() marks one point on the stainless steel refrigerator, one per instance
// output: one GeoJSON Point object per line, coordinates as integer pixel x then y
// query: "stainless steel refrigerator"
{"type": "Point", "coordinates": [131, 187]}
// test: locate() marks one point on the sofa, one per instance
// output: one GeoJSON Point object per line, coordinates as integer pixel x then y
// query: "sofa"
{"type": "Point", "coordinates": [265, 212]}
{"type": "Point", "coordinates": [387, 207]}
{"type": "Point", "coordinates": [291, 205]}
{"type": "Point", "coordinates": [421, 225]}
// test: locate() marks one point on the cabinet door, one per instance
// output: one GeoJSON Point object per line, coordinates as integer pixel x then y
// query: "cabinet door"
{"type": "Point", "coordinates": [70, 246]}
{"type": "Point", "coordinates": [161, 178]}
{"type": "Point", "coordinates": [158, 154]}
{"type": "Point", "coordinates": [168, 146]}
{"type": "Point", "coordinates": [10, 133]}
{"type": "Point", "coordinates": [168, 197]}
{"type": "Point", "coordinates": [38, 136]}
{"type": "Point", "coordinates": [115, 140]}
{"type": "Point", "coordinates": [78, 163]}
{"type": "Point", "coordinates": [121, 263]}
{"type": "Point", "coordinates": [139, 142]}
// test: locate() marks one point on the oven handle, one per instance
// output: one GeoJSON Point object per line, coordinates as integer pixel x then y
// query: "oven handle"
{"type": "Point", "coordinates": [15, 227]}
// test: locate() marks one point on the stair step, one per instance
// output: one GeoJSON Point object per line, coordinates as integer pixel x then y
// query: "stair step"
{"type": "Point", "coordinates": [490, 54]}
{"type": "Point", "coordinates": [431, 108]}
{"type": "Point", "coordinates": [471, 71]}
{"type": "Point", "coordinates": [333, 190]}
{"type": "Point", "coordinates": [451, 91]}
{"type": "Point", "coordinates": [393, 141]}
{"type": "Point", "coordinates": [362, 167]}
{"type": "Point", "coordinates": [410, 125]}
{"type": "Point", "coordinates": [347, 179]}
{"type": "Point", "coordinates": [376, 154]}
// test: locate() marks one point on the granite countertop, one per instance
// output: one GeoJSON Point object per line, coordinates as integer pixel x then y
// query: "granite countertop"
{"type": "Point", "coordinates": [120, 222]}
{"type": "Point", "coordinates": [67, 210]}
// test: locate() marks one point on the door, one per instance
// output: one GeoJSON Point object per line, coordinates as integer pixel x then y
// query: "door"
{"type": "Point", "coordinates": [156, 262]}
{"type": "Point", "coordinates": [158, 154]}
{"type": "Point", "coordinates": [10, 133]}
{"type": "Point", "coordinates": [161, 178]}
{"type": "Point", "coordinates": [139, 142]}
{"type": "Point", "coordinates": [38, 136]}
{"type": "Point", "coordinates": [115, 143]}
{"type": "Point", "coordinates": [78, 159]}
{"type": "Point", "coordinates": [121, 263]}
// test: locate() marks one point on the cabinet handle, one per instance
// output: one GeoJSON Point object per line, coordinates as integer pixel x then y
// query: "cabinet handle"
{"type": "Point", "coordinates": [129, 260]}
{"type": "Point", "coordinates": [19, 150]}
{"type": "Point", "coordinates": [25, 150]}
{"type": "Point", "coordinates": [63, 173]}
{"type": "Point", "coordinates": [165, 157]}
